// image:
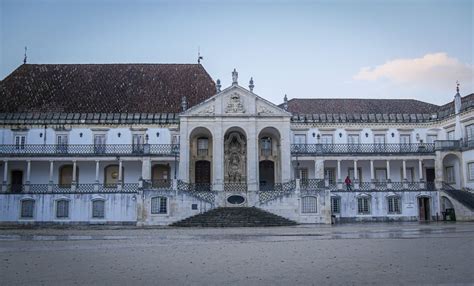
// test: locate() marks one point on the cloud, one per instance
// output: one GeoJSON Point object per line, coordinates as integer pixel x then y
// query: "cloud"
{"type": "Point", "coordinates": [435, 70]}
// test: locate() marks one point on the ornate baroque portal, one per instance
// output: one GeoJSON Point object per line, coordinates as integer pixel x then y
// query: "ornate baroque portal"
{"type": "Point", "coordinates": [235, 157]}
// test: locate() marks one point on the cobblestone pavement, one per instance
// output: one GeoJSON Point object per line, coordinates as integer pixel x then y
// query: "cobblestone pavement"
{"type": "Point", "coordinates": [351, 254]}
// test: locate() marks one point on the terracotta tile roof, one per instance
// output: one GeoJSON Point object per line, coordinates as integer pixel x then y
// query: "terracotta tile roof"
{"type": "Point", "coordinates": [359, 106]}
{"type": "Point", "coordinates": [104, 88]}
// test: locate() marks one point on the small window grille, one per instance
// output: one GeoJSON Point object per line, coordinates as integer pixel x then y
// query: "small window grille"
{"type": "Point", "coordinates": [394, 205]}
{"type": "Point", "coordinates": [27, 208]}
{"type": "Point", "coordinates": [309, 205]}
{"type": "Point", "coordinates": [363, 205]}
{"type": "Point", "coordinates": [159, 205]}
{"type": "Point", "coordinates": [62, 209]}
{"type": "Point", "coordinates": [98, 209]}
{"type": "Point", "coordinates": [335, 205]}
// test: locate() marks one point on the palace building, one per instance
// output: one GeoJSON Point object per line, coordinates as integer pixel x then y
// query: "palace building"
{"type": "Point", "coordinates": [156, 144]}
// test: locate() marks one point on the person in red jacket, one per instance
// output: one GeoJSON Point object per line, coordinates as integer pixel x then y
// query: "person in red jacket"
{"type": "Point", "coordinates": [348, 183]}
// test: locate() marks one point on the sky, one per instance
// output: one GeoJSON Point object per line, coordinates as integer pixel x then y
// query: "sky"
{"type": "Point", "coordinates": [305, 49]}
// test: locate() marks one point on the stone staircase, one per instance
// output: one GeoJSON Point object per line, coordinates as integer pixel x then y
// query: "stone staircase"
{"type": "Point", "coordinates": [234, 217]}
{"type": "Point", "coordinates": [463, 197]}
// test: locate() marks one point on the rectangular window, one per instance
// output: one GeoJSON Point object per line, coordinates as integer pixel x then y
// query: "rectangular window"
{"type": "Point", "coordinates": [62, 209]}
{"type": "Point", "coordinates": [394, 205]}
{"type": "Point", "coordinates": [431, 138]}
{"type": "Point", "coordinates": [470, 171]}
{"type": "Point", "coordinates": [449, 175]}
{"type": "Point", "coordinates": [470, 132]}
{"type": "Point", "coordinates": [61, 143]}
{"type": "Point", "coordinates": [353, 139]}
{"type": "Point", "coordinates": [363, 205]}
{"type": "Point", "coordinates": [326, 139]}
{"type": "Point", "coordinates": [381, 175]}
{"type": "Point", "coordinates": [379, 139]}
{"type": "Point", "coordinates": [202, 146]}
{"type": "Point", "coordinates": [98, 209]}
{"type": "Point", "coordinates": [405, 139]}
{"type": "Point", "coordinates": [138, 140]}
{"type": "Point", "coordinates": [159, 205]}
{"type": "Point", "coordinates": [303, 175]}
{"type": "Point", "coordinates": [299, 139]}
{"type": "Point", "coordinates": [450, 135]}
{"type": "Point", "coordinates": [27, 208]}
{"type": "Point", "coordinates": [175, 139]}
{"type": "Point", "coordinates": [330, 175]}
{"type": "Point", "coordinates": [410, 174]}
{"type": "Point", "coordinates": [309, 205]}
{"type": "Point", "coordinates": [20, 142]}
{"type": "Point", "coordinates": [336, 205]}
{"type": "Point", "coordinates": [99, 143]}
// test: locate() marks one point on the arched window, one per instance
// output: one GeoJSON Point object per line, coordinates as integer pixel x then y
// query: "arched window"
{"type": "Point", "coordinates": [202, 146]}
{"type": "Point", "coordinates": [65, 176]}
{"type": "Point", "coordinates": [98, 208]}
{"type": "Point", "coordinates": [27, 208]}
{"type": "Point", "coordinates": [394, 205]}
{"type": "Point", "coordinates": [111, 176]}
{"type": "Point", "coordinates": [159, 205]}
{"type": "Point", "coordinates": [62, 208]}
{"type": "Point", "coordinates": [266, 146]}
{"type": "Point", "coordinates": [309, 205]}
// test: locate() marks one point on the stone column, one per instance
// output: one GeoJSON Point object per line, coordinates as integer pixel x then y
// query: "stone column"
{"type": "Point", "coordinates": [146, 168]}
{"type": "Point", "coordinates": [74, 168]}
{"type": "Point", "coordinates": [5, 176]}
{"type": "Point", "coordinates": [420, 173]}
{"type": "Point", "coordinates": [97, 170]}
{"type": "Point", "coordinates": [372, 175]}
{"type": "Point", "coordinates": [438, 170]}
{"type": "Point", "coordinates": [252, 159]}
{"type": "Point", "coordinates": [51, 171]}
{"type": "Point", "coordinates": [120, 182]}
{"type": "Point", "coordinates": [339, 179]}
{"type": "Point", "coordinates": [389, 180]}
{"type": "Point", "coordinates": [28, 171]}
{"type": "Point", "coordinates": [218, 158]}
{"type": "Point", "coordinates": [356, 176]}
{"type": "Point", "coordinates": [404, 170]}
{"type": "Point", "coordinates": [319, 169]}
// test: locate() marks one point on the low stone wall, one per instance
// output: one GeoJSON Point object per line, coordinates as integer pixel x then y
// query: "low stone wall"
{"type": "Point", "coordinates": [119, 208]}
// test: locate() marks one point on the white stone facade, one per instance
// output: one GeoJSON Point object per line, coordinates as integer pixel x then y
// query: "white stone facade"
{"type": "Point", "coordinates": [272, 161]}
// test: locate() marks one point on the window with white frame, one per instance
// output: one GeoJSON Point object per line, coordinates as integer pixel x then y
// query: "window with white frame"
{"type": "Point", "coordinates": [353, 139]}
{"type": "Point", "coordinates": [326, 139]}
{"type": "Point", "coordinates": [98, 208]}
{"type": "Point", "coordinates": [405, 139]}
{"type": "Point", "coordinates": [159, 205]}
{"type": "Point", "coordinates": [449, 176]}
{"type": "Point", "coordinates": [431, 138]}
{"type": "Point", "coordinates": [138, 141]}
{"type": "Point", "coordinates": [299, 139]}
{"type": "Point", "coordinates": [470, 132]}
{"type": "Point", "coordinates": [379, 139]}
{"type": "Point", "coordinates": [62, 209]}
{"type": "Point", "coordinates": [303, 175]}
{"type": "Point", "coordinates": [450, 135]}
{"type": "Point", "coordinates": [309, 205]}
{"type": "Point", "coordinates": [335, 205]}
{"type": "Point", "coordinates": [20, 142]}
{"type": "Point", "coordinates": [27, 208]}
{"type": "Point", "coordinates": [202, 146]}
{"type": "Point", "coordinates": [363, 205]}
{"type": "Point", "coordinates": [99, 143]}
{"type": "Point", "coordinates": [394, 205]}
{"type": "Point", "coordinates": [175, 139]}
{"type": "Point", "coordinates": [470, 171]}
{"type": "Point", "coordinates": [330, 175]}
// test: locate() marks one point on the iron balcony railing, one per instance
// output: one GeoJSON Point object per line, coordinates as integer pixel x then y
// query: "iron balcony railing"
{"type": "Point", "coordinates": [388, 186]}
{"type": "Point", "coordinates": [268, 192]}
{"type": "Point", "coordinates": [76, 188]}
{"type": "Point", "coordinates": [448, 145]}
{"type": "Point", "coordinates": [235, 187]}
{"type": "Point", "coordinates": [61, 150]}
{"type": "Point", "coordinates": [367, 149]}
{"type": "Point", "coordinates": [157, 184]}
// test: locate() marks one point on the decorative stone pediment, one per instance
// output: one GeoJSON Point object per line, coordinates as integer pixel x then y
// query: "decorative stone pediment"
{"type": "Point", "coordinates": [235, 101]}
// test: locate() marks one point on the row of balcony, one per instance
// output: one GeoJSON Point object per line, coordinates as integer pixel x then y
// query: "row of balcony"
{"type": "Point", "coordinates": [165, 184]}
{"type": "Point", "coordinates": [62, 150]}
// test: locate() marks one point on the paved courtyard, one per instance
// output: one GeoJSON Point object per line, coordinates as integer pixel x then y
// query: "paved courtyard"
{"type": "Point", "coordinates": [391, 254]}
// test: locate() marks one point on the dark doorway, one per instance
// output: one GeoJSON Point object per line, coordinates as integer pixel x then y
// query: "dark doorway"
{"type": "Point", "coordinates": [267, 174]}
{"type": "Point", "coordinates": [202, 173]}
{"type": "Point", "coordinates": [430, 178]}
{"type": "Point", "coordinates": [424, 208]}
{"type": "Point", "coordinates": [17, 181]}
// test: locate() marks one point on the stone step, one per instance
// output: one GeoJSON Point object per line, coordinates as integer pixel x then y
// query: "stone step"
{"type": "Point", "coordinates": [234, 217]}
